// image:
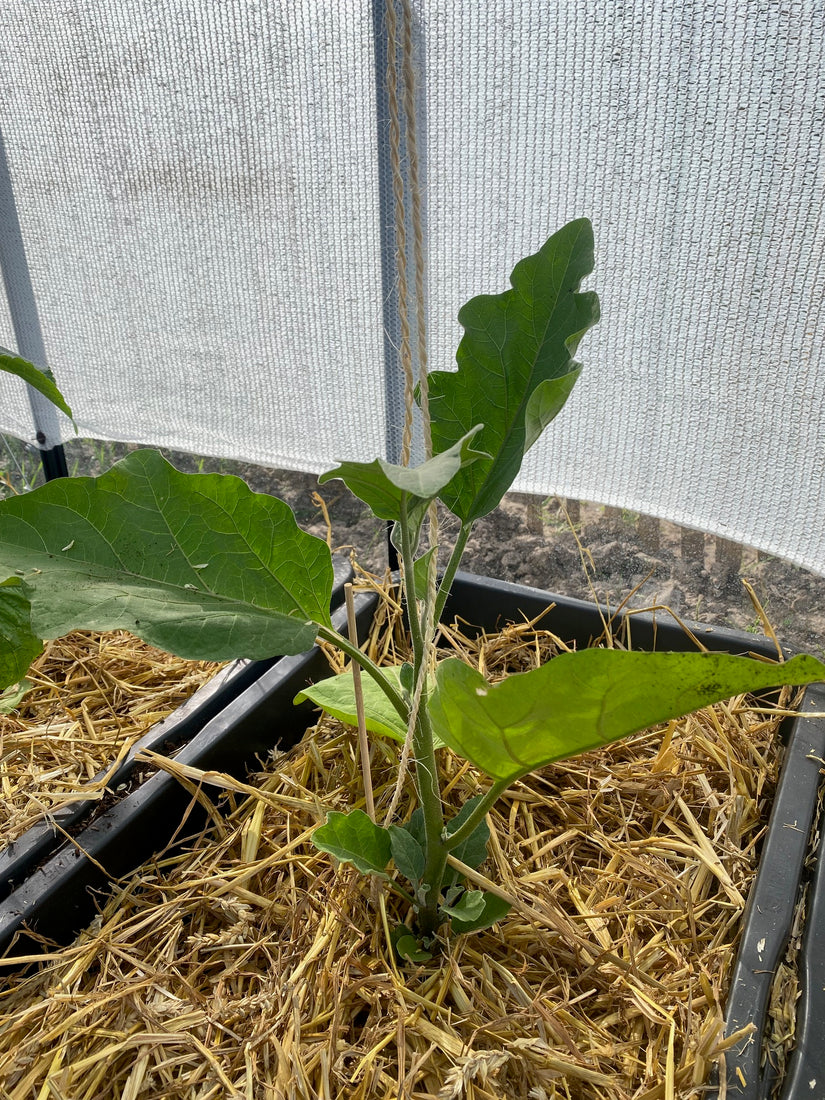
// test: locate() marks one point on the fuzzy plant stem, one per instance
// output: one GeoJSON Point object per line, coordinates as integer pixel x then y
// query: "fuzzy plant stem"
{"type": "Point", "coordinates": [426, 767]}
{"type": "Point", "coordinates": [452, 568]}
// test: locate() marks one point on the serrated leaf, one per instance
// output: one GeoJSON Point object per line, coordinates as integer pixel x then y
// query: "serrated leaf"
{"type": "Point", "coordinates": [383, 485]}
{"type": "Point", "coordinates": [40, 380]}
{"type": "Point", "coordinates": [515, 367]}
{"type": "Point", "coordinates": [336, 696]}
{"type": "Point", "coordinates": [494, 909]}
{"type": "Point", "coordinates": [580, 701]}
{"type": "Point", "coordinates": [354, 838]}
{"type": "Point", "coordinates": [19, 645]}
{"type": "Point", "coordinates": [120, 552]}
{"type": "Point", "coordinates": [468, 908]}
{"type": "Point", "coordinates": [407, 853]}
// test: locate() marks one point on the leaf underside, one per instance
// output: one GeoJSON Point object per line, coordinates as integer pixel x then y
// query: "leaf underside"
{"type": "Point", "coordinates": [581, 701]}
{"type": "Point", "coordinates": [196, 564]}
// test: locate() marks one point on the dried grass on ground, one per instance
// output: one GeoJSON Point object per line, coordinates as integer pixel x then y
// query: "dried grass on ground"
{"type": "Point", "coordinates": [249, 967]}
{"type": "Point", "coordinates": [93, 696]}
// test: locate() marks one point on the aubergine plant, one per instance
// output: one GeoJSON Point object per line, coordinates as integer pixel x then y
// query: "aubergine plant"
{"type": "Point", "coordinates": [200, 565]}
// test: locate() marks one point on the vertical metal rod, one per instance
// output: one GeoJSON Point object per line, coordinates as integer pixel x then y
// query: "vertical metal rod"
{"type": "Point", "coordinates": [25, 321]}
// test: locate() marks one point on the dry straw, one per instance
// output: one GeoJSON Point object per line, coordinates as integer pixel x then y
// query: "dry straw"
{"type": "Point", "coordinates": [93, 696]}
{"type": "Point", "coordinates": [248, 966]}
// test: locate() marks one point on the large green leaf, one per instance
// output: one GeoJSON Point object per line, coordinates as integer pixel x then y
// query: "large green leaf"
{"type": "Point", "coordinates": [194, 563]}
{"type": "Point", "coordinates": [19, 645]}
{"type": "Point", "coordinates": [383, 486]}
{"type": "Point", "coordinates": [41, 380]}
{"type": "Point", "coordinates": [579, 701]}
{"type": "Point", "coordinates": [515, 367]}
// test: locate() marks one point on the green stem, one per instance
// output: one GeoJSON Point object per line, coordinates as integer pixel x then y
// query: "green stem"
{"type": "Point", "coordinates": [408, 558]}
{"type": "Point", "coordinates": [477, 816]}
{"type": "Point", "coordinates": [429, 795]}
{"type": "Point", "coordinates": [452, 568]}
{"type": "Point", "coordinates": [426, 767]}
{"type": "Point", "coordinates": [372, 669]}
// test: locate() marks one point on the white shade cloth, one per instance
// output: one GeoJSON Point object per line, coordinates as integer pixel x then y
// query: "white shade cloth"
{"type": "Point", "coordinates": [198, 192]}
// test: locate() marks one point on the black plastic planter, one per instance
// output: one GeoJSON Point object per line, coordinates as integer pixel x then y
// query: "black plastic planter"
{"type": "Point", "coordinates": [20, 858]}
{"type": "Point", "coordinates": [57, 900]}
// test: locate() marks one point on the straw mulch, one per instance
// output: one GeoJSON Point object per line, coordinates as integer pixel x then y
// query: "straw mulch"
{"type": "Point", "coordinates": [93, 696]}
{"type": "Point", "coordinates": [250, 967]}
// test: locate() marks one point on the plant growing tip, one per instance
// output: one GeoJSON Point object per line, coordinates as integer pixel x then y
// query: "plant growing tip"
{"type": "Point", "coordinates": [209, 569]}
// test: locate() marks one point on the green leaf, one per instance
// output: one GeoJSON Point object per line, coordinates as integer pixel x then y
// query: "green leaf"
{"type": "Point", "coordinates": [407, 853]}
{"type": "Point", "coordinates": [421, 572]}
{"type": "Point", "coordinates": [494, 909]}
{"type": "Point", "coordinates": [579, 701]}
{"type": "Point", "coordinates": [193, 563]}
{"type": "Point", "coordinates": [383, 486]}
{"type": "Point", "coordinates": [467, 908]}
{"type": "Point", "coordinates": [19, 645]}
{"type": "Point", "coordinates": [13, 696]}
{"type": "Point", "coordinates": [336, 696]}
{"type": "Point", "coordinates": [407, 946]}
{"type": "Point", "coordinates": [473, 851]}
{"type": "Point", "coordinates": [40, 380]}
{"type": "Point", "coordinates": [415, 826]}
{"type": "Point", "coordinates": [515, 367]}
{"type": "Point", "coordinates": [354, 838]}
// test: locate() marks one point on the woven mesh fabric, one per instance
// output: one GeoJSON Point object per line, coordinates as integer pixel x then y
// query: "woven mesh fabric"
{"type": "Point", "coordinates": [197, 189]}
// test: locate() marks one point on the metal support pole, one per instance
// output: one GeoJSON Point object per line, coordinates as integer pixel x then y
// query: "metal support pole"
{"type": "Point", "coordinates": [26, 323]}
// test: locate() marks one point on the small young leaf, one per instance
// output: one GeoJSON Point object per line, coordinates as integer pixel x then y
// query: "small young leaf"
{"type": "Point", "coordinates": [354, 838]}
{"type": "Point", "coordinates": [336, 696]}
{"type": "Point", "coordinates": [494, 909]}
{"type": "Point", "coordinates": [407, 853]}
{"type": "Point", "coordinates": [421, 571]}
{"type": "Point", "coordinates": [468, 908]}
{"type": "Point", "coordinates": [473, 851]}
{"type": "Point", "coordinates": [382, 485]}
{"type": "Point", "coordinates": [40, 380]}
{"type": "Point", "coordinates": [19, 645]}
{"type": "Point", "coordinates": [407, 946]}
{"type": "Point", "coordinates": [13, 696]}
{"type": "Point", "coordinates": [407, 677]}
{"type": "Point", "coordinates": [415, 826]}
{"type": "Point", "coordinates": [580, 701]}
